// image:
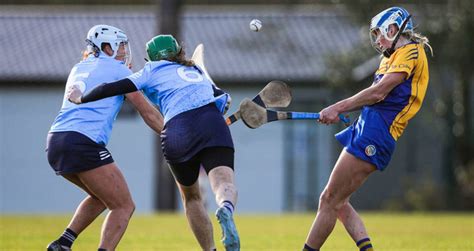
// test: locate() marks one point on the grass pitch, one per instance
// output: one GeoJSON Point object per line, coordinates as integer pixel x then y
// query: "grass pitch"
{"type": "Point", "coordinates": [258, 232]}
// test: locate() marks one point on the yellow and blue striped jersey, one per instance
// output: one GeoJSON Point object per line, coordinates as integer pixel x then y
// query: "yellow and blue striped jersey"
{"type": "Point", "coordinates": [405, 100]}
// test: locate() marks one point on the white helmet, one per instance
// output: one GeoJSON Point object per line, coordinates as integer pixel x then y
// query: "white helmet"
{"type": "Point", "coordinates": [100, 34]}
{"type": "Point", "coordinates": [397, 16]}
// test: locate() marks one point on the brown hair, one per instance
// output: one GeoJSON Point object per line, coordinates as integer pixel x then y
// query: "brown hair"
{"type": "Point", "coordinates": [181, 59]}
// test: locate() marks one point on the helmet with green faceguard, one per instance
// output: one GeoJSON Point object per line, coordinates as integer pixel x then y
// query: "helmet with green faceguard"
{"type": "Point", "coordinates": [162, 47]}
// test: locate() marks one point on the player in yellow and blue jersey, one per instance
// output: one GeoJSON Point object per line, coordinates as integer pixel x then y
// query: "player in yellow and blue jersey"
{"type": "Point", "coordinates": [394, 97]}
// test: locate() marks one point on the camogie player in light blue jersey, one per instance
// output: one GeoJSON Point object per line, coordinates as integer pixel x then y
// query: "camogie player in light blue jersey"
{"type": "Point", "coordinates": [77, 139]}
{"type": "Point", "coordinates": [394, 97]}
{"type": "Point", "coordinates": [195, 133]}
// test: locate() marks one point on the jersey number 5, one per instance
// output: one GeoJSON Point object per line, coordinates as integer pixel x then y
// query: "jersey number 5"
{"type": "Point", "coordinates": [78, 80]}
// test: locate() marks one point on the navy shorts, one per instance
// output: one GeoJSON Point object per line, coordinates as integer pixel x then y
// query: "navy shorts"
{"type": "Point", "coordinates": [73, 152]}
{"type": "Point", "coordinates": [369, 139]}
{"type": "Point", "coordinates": [189, 132]}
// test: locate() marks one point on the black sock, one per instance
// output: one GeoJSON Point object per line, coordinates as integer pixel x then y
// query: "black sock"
{"type": "Point", "coordinates": [308, 248]}
{"type": "Point", "coordinates": [67, 238]}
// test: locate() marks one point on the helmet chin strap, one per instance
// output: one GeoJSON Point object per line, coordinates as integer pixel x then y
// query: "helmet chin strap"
{"type": "Point", "coordinates": [389, 51]}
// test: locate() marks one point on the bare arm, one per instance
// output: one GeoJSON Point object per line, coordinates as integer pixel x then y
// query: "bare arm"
{"type": "Point", "coordinates": [148, 112]}
{"type": "Point", "coordinates": [368, 96]}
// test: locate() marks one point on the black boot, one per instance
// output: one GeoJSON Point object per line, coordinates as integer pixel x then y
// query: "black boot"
{"type": "Point", "coordinates": [55, 246]}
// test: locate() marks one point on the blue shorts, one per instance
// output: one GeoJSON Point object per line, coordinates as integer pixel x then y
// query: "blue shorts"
{"type": "Point", "coordinates": [73, 152]}
{"type": "Point", "coordinates": [369, 139]}
{"type": "Point", "coordinates": [189, 132]}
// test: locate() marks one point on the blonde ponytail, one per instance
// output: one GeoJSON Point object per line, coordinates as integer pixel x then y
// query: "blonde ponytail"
{"type": "Point", "coordinates": [417, 37]}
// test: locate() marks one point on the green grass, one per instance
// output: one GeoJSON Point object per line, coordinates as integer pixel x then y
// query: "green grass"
{"type": "Point", "coordinates": [258, 232]}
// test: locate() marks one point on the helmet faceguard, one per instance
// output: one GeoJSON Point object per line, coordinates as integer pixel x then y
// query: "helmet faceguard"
{"type": "Point", "coordinates": [162, 47]}
{"type": "Point", "coordinates": [124, 54]}
{"type": "Point", "coordinates": [116, 38]}
{"type": "Point", "coordinates": [382, 21]}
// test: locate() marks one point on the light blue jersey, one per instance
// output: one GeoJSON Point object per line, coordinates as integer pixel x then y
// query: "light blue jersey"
{"type": "Point", "coordinates": [173, 87]}
{"type": "Point", "coordinates": [94, 119]}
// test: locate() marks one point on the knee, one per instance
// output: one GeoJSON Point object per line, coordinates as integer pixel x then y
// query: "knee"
{"type": "Point", "coordinates": [128, 206]}
{"type": "Point", "coordinates": [328, 200]}
{"type": "Point", "coordinates": [125, 204]}
{"type": "Point", "coordinates": [131, 207]}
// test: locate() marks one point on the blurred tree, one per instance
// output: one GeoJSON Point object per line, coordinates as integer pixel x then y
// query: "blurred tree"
{"type": "Point", "coordinates": [449, 25]}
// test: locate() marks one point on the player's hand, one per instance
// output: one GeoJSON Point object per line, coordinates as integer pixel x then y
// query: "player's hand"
{"type": "Point", "coordinates": [329, 115]}
{"type": "Point", "coordinates": [74, 94]}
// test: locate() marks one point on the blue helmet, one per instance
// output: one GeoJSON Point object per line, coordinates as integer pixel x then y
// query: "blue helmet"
{"type": "Point", "coordinates": [383, 20]}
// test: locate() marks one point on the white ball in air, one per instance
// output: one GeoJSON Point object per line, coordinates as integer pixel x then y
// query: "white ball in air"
{"type": "Point", "coordinates": [255, 25]}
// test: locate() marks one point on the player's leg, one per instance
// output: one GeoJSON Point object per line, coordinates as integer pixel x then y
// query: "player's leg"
{"type": "Point", "coordinates": [88, 209]}
{"type": "Point", "coordinates": [222, 184]}
{"type": "Point", "coordinates": [108, 184]}
{"type": "Point", "coordinates": [348, 175]}
{"type": "Point", "coordinates": [85, 214]}
{"type": "Point", "coordinates": [197, 215]}
{"type": "Point", "coordinates": [221, 179]}
{"type": "Point", "coordinates": [186, 175]}
{"type": "Point", "coordinates": [68, 154]}
{"type": "Point", "coordinates": [219, 164]}
{"type": "Point", "coordinates": [352, 222]}
{"type": "Point", "coordinates": [354, 226]}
